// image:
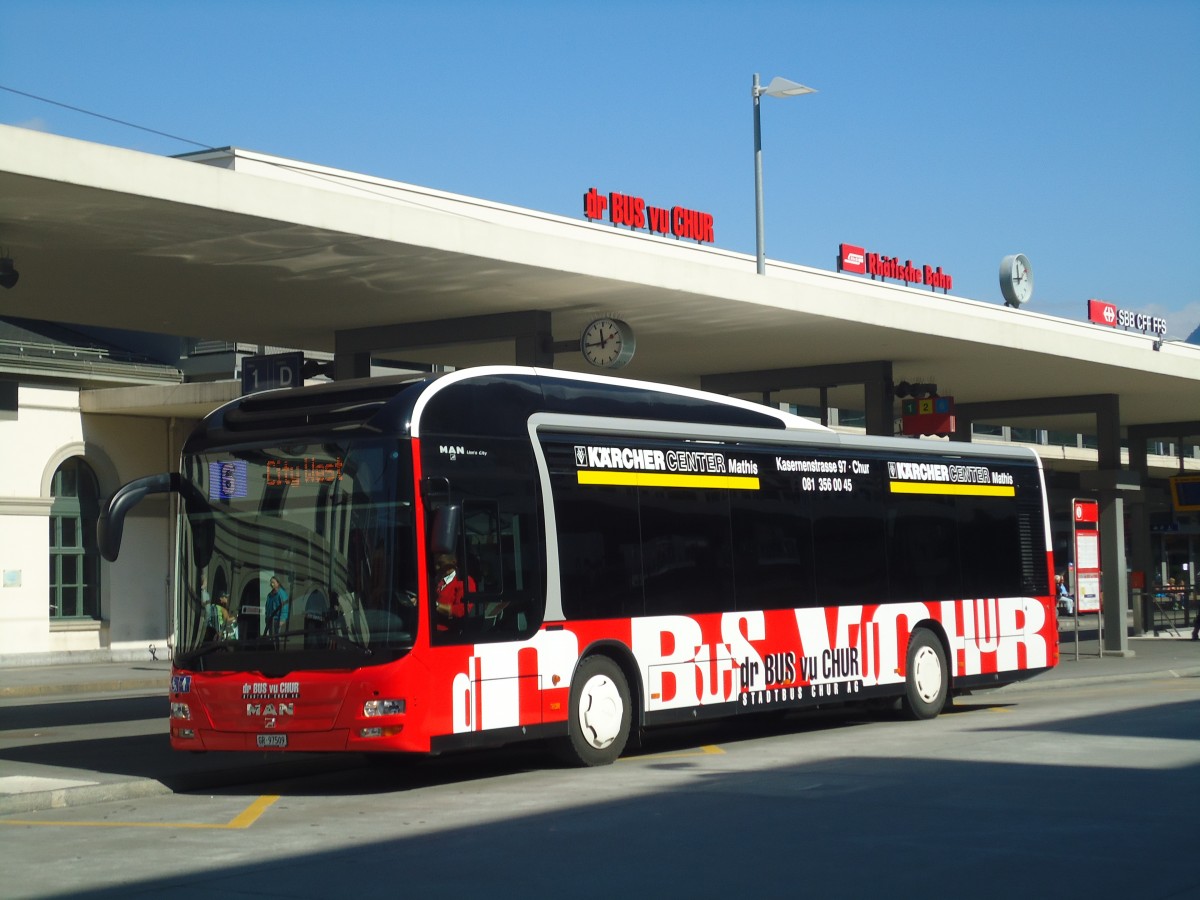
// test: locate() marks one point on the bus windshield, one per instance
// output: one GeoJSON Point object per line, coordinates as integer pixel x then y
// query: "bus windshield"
{"type": "Point", "coordinates": [304, 548]}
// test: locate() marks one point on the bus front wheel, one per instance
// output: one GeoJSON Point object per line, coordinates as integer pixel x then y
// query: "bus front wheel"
{"type": "Point", "coordinates": [927, 684]}
{"type": "Point", "coordinates": [600, 714]}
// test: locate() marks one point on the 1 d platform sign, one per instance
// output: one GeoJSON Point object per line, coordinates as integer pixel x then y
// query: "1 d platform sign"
{"type": "Point", "coordinates": [276, 370]}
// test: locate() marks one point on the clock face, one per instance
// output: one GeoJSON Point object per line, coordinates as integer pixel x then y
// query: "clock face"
{"type": "Point", "coordinates": [1016, 279]}
{"type": "Point", "coordinates": [607, 343]}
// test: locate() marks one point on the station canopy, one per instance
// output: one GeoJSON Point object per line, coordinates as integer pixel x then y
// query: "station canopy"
{"type": "Point", "coordinates": [229, 245]}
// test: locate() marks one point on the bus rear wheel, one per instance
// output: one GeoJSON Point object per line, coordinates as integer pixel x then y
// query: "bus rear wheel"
{"type": "Point", "coordinates": [599, 714]}
{"type": "Point", "coordinates": [927, 684]}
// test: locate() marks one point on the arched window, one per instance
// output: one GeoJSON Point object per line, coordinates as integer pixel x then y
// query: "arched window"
{"type": "Point", "coordinates": [74, 560]}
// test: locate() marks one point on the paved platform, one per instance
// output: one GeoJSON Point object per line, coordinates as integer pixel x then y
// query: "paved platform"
{"type": "Point", "coordinates": [76, 734]}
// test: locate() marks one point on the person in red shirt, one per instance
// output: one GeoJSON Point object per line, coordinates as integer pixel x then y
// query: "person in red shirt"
{"type": "Point", "coordinates": [451, 591]}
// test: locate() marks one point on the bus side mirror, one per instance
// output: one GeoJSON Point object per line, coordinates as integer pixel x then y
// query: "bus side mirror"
{"type": "Point", "coordinates": [110, 524]}
{"type": "Point", "coordinates": [445, 528]}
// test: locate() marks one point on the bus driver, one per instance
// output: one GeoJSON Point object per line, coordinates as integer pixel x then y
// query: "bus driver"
{"type": "Point", "coordinates": [451, 590]}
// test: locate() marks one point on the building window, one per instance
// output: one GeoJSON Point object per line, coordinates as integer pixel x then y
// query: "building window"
{"type": "Point", "coordinates": [74, 560]}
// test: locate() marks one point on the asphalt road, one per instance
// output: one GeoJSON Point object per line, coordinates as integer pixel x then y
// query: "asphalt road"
{"type": "Point", "coordinates": [1082, 789]}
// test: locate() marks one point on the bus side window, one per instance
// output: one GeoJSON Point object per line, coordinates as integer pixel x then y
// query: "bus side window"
{"type": "Point", "coordinates": [481, 521]}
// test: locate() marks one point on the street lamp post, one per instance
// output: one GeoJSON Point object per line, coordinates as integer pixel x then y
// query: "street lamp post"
{"type": "Point", "coordinates": [779, 87]}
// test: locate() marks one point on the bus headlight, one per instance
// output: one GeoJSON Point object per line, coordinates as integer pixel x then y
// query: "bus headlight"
{"type": "Point", "coordinates": [383, 707]}
{"type": "Point", "coordinates": [180, 711]}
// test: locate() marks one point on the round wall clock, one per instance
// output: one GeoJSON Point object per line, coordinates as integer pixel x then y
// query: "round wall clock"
{"type": "Point", "coordinates": [607, 343]}
{"type": "Point", "coordinates": [1016, 279]}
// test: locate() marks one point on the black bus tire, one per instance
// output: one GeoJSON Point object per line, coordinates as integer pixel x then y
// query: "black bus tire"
{"type": "Point", "coordinates": [927, 682]}
{"type": "Point", "coordinates": [599, 714]}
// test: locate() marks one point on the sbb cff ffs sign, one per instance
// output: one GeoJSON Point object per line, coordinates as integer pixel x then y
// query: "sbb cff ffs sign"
{"type": "Point", "coordinates": [1103, 312]}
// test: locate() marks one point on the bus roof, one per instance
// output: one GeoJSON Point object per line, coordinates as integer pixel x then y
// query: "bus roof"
{"type": "Point", "coordinates": [501, 401]}
{"type": "Point", "coordinates": [490, 399]}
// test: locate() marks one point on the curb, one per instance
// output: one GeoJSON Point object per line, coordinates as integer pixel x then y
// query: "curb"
{"type": "Point", "coordinates": [1048, 684]}
{"type": "Point", "coordinates": [156, 685]}
{"type": "Point", "coordinates": [183, 783]}
{"type": "Point", "coordinates": [83, 795]}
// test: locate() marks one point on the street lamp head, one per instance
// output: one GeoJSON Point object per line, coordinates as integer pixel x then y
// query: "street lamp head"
{"type": "Point", "coordinates": [781, 87]}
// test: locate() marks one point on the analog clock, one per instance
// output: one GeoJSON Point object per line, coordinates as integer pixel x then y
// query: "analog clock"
{"type": "Point", "coordinates": [1016, 279]}
{"type": "Point", "coordinates": [607, 343]}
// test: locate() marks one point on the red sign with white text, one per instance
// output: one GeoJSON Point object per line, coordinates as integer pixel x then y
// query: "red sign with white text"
{"type": "Point", "coordinates": [1087, 511]}
{"type": "Point", "coordinates": [1086, 532]}
{"type": "Point", "coordinates": [1102, 312]}
{"type": "Point", "coordinates": [852, 259]}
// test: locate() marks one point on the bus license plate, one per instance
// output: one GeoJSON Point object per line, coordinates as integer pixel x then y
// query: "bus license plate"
{"type": "Point", "coordinates": [272, 740]}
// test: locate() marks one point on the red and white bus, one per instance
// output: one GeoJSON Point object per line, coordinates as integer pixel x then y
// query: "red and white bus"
{"type": "Point", "coordinates": [501, 554]}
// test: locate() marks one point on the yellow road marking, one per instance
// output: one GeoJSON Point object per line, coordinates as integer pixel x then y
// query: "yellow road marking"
{"type": "Point", "coordinates": [244, 819]}
{"type": "Point", "coordinates": [706, 750]}
{"type": "Point", "coordinates": [250, 814]}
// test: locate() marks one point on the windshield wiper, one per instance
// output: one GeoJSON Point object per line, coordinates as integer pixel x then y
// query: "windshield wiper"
{"type": "Point", "coordinates": [211, 646]}
{"type": "Point", "coordinates": [319, 635]}
{"type": "Point", "coordinates": [343, 639]}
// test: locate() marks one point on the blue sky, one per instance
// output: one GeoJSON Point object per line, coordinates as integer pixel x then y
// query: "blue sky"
{"type": "Point", "coordinates": [948, 133]}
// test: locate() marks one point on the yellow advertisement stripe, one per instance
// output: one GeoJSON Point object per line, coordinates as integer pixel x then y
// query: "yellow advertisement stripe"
{"type": "Point", "coordinates": [660, 479]}
{"type": "Point", "coordinates": [974, 490]}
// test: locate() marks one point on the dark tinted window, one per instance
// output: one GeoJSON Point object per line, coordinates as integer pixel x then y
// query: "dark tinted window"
{"type": "Point", "coordinates": [849, 545]}
{"type": "Point", "coordinates": [773, 562]}
{"type": "Point", "coordinates": [599, 552]}
{"type": "Point", "coordinates": [922, 548]}
{"type": "Point", "coordinates": [989, 535]}
{"type": "Point", "coordinates": [687, 554]}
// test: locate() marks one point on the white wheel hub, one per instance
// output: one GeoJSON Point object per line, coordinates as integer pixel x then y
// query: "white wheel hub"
{"type": "Point", "coordinates": [927, 674]}
{"type": "Point", "coordinates": [600, 711]}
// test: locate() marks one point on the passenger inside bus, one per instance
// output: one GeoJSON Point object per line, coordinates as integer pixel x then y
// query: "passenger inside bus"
{"type": "Point", "coordinates": [219, 622]}
{"type": "Point", "coordinates": [278, 608]}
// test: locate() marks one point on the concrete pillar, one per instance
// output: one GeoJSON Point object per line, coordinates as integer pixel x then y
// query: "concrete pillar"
{"type": "Point", "coordinates": [1139, 524]}
{"type": "Point", "coordinates": [1114, 585]}
{"type": "Point", "coordinates": [878, 395]}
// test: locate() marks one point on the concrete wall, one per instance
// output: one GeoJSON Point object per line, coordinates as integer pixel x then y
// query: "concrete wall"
{"type": "Point", "coordinates": [135, 591]}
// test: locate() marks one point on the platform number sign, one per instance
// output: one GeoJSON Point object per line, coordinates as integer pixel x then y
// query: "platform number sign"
{"type": "Point", "coordinates": [278, 370]}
